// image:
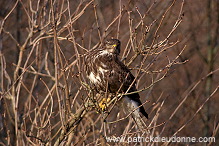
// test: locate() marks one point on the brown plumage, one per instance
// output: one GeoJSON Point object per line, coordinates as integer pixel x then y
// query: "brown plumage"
{"type": "Point", "coordinates": [107, 73]}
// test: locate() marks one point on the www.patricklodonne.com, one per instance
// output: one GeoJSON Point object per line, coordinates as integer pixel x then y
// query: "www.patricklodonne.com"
{"type": "Point", "coordinates": [159, 139]}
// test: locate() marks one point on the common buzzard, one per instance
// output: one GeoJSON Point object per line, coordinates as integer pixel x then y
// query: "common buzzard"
{"type": "Point", "coordinates": [108, 74]}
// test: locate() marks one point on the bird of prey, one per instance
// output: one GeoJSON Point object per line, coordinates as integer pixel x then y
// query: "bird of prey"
{"type": "Point", "coordinates": [108, 74]}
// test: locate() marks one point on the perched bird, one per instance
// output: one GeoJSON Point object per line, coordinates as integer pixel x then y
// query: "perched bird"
{"type": "Point", "coordinates": [108, 74]}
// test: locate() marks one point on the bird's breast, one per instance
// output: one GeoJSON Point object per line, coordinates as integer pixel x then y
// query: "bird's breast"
{"type": "Point", "coordinates": [94, 78]}
{"type": "Point", "coordinates": [102, 70]}
{"type": "Point", "coordinates": [99, 76]}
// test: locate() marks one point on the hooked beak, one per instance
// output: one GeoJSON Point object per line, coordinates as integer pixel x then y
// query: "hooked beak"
{"type": "Point", "coordinates": [114, 45]}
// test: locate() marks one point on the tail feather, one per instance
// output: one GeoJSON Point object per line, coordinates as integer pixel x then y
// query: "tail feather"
{"type": "Point", "coordinates": [135, 107]}
{"type": "Point", "coordinates": [133, 102]}
{"type": "Point", "coordinates": [142, 110]}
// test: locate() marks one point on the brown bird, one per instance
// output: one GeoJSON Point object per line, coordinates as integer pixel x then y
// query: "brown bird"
{"type": "Point", "coordinates": [108, 74]}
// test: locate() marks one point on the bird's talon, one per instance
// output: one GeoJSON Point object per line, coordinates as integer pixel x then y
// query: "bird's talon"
{"type": "Point", "coordinates": [103, 103]}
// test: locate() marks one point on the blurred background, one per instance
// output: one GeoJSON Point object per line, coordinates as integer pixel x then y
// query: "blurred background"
{"type": "Point", "coordinates": [42, 43]}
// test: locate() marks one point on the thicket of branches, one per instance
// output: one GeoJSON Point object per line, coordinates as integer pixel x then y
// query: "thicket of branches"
{"type": "Point", "coordinates": [45, 95]}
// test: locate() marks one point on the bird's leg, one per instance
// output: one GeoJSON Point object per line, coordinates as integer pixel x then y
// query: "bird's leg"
{"type": "Point", "coordinates": [106, 99]}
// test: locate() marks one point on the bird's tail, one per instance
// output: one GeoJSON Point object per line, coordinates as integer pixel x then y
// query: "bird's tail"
{"type": "Point", "coordinates": [133, 102]}
{"type": "Point", "coordinates": [134, 106]}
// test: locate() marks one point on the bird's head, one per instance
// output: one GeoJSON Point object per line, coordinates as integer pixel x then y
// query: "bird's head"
{"type": "Point", "coordinates": [113, 46]}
